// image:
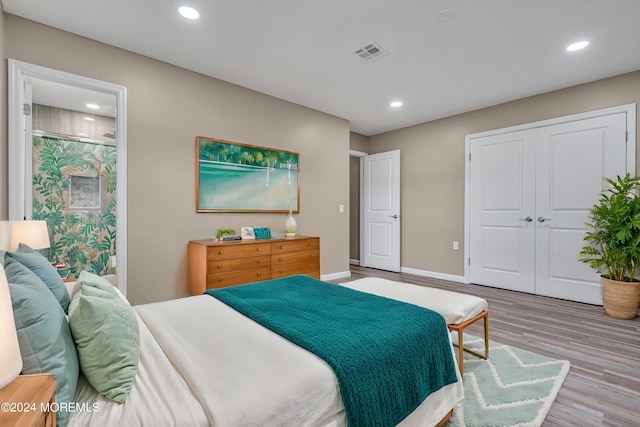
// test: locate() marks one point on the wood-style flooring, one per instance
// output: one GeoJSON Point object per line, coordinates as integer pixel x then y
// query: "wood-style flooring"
{"type": "Point", "coordinates": [603, 385]}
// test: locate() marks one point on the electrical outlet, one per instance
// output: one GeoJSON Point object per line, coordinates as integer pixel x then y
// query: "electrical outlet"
{"type": "Point", "coordinates": [113, 261]}
{"type": "Point", "coordinates": [455, 246]}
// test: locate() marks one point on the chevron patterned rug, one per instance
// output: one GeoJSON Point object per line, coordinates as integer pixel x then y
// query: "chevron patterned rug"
{"type": "Point", "coordinates": [513, 388]}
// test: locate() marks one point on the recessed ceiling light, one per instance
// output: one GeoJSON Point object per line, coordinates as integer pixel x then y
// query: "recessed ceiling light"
{"type": "Point", "coordinates": [577, 46]}
{"type": "Point", "coordinates": [396, 104]}
{"type": "Point", "coordinates": [189, 12]}
{"type": "Point", "coordinates": [93, 106]}
{"type": "Point", "coordinates": [445, 16]}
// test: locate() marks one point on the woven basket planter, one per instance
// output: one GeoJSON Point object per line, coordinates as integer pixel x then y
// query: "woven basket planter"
{"type": "Point", "coordinates": [621, 299]}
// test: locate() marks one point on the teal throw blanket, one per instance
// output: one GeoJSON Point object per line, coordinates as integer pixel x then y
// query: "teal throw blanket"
{"type": "Point", "coordinates": [388, 356]}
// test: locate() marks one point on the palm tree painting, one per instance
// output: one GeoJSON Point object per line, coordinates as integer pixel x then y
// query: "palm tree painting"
{"type": "Point", "coordinates": [233, 177]}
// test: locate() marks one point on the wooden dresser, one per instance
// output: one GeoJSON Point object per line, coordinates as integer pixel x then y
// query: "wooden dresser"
{"type": "Point", "coordinates": [218, 264]}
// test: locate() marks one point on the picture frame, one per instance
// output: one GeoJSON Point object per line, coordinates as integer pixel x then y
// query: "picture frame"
{"type": "Point", "coordinates": [236, 177]}
{"type": "Point", "coordinates": [85, 192]}
{"type": "Point", "coordinates": [247, 233]}
{"type": "Point", "coordinates": [262, 232]}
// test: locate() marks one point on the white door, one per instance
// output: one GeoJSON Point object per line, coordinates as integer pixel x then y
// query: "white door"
{"type": "Point", "coordinates": [381, 211]}
{"type": "Point", "coordinates": [502, 202]}
{"type": "Point", "coordinates": [567, 186]}
{"type": "Point", "coordinates": [530, 195]}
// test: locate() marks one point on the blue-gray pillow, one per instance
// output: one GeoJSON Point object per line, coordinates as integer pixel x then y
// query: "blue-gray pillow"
{"type": "Point", "coordinates": [44, 336]}
{"type": "Point", "coordinates": [105, 329]}
{"type": "Point", "coordinates": [37, 263]}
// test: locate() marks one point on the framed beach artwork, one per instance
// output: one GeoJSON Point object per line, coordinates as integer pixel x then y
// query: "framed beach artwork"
{"type": "Point", "coordinates": [234, 177]}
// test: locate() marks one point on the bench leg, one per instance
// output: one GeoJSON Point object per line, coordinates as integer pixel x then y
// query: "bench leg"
{"type": "Point", "coordinates": [460, 329]}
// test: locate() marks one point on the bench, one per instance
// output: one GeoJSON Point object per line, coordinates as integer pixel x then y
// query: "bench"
{"type": "Point", "coordinates": [459, 310]}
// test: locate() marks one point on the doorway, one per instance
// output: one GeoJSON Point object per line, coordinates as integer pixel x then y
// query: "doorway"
{"type": "Point", "coordinates": [53, 90]}
{"type": "Point", "coordinates": [375, 210]}
{"type": "Point", "coordinates": [531, 190]}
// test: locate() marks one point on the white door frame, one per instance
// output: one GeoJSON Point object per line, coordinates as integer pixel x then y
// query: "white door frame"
{"type": "Point", "coordinates": [360, 155]}
{"type": "Point", "coordinates": [629, 109]}
{"type": "Point", "coordinates": [19, 72]}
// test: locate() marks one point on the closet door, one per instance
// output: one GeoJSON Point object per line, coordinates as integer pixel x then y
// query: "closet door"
{"type": "Point", "coordinates": [571, 161]}
{"type": "Point", "coordinates": [502, 211]}
{"type": "Point", "coordinates": [531, 192]}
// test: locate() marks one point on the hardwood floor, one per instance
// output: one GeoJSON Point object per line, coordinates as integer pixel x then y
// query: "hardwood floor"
{"type": "Point", "coordinates": [603, 385]}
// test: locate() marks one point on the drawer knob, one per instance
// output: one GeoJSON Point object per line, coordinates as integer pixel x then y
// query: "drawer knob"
{"type": "Point", "coordinates": [259, 249]}
{"type": "Point", "coordinates": [281, 259]}
{"type": "Point", "coordinates": [309, 244]}
{"type": "Point", "coordinates": [281, 271]}
{"type": "Point", "coordinates": [258, 262]}
{"type": "Point", "coordinates": [220, 252]}
{"type": "Point", "coordinates": [219, 265]}
{"type": "Point", "coordinates": [219, 279]}
{"type": "Point", "coordinates": [281, 246]}
{"type": "Point", "coordinates": [259, 274]}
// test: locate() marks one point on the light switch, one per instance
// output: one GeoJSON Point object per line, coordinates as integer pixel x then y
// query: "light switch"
{"type": "Point", "coordinates": [341, 208]}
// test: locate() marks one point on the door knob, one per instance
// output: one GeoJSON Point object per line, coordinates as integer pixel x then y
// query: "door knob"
{"type": "Point", "coordinates": [394, 216]}
{"type": "Point", "coordinates": [540, 219]}
{"type": "Point", "coordinates": [528, 219]}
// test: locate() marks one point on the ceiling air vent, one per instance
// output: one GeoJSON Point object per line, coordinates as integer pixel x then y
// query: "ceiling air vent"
{"type": "Point", "coordinates": [370, 52]}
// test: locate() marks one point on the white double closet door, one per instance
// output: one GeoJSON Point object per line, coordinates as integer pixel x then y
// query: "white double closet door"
{"type": "Point", "coordinates": [531, 192]}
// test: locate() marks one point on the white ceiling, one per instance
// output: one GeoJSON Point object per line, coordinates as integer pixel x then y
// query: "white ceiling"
{"type": "Point", "coordinates": [492, 51]}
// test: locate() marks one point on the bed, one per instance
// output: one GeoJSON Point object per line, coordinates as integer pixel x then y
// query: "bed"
{"type": "Point", "coordinates": [202, 363]}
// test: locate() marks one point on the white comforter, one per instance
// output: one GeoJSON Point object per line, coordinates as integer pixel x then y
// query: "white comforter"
{"type": "Point", "coordinates": [160, 396]}
{"type": "Point", "coordinates": [223, 369]}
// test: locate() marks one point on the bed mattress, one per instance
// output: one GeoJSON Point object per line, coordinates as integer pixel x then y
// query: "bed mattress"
{"type": "Point", "coordinates": [203, 363]}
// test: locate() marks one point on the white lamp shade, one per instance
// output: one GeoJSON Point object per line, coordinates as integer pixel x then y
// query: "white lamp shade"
{"type": "Point", "coordinates": [5, 235]}
{"type": "Point", "coordinates": [10, 359]}
{"type": "Point", "coordinates": [35, 234]}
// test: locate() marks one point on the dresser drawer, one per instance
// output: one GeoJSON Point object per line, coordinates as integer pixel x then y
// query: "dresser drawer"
{"type": "Point", "coordinates": [221, 280]}
{"type": "Point", "coordinates": [228, 265]}
{"type": "Point", "coordinates": [305, 267]}
{"type": "Point", "coordinates": [239, 251]}
{"type": "Point", "coordinates": [285, 258]}
{"type": "Point", "coordinates": [285, 246]}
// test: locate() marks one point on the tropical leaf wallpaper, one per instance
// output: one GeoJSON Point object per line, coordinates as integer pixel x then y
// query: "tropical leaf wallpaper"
{"type": "Point", "coordinates": [83, 240]}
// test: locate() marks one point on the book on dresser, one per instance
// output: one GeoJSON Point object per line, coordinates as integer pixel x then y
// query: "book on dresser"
{"type": "Point", "coordinates": [214, 264]}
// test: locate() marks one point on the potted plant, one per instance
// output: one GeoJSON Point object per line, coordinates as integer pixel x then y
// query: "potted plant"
{"type": "Point", "coordinates": [613, 245]}
{"type": "Point", "coordinates": [221, 232]}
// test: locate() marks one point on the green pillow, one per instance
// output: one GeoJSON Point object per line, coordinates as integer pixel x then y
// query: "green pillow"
{"type": "Point", "coordinates": [105, 329]}
{"type": "Point", "coordinates": [45, 340]}
{"type": "Point", "coordinates": [37, 263]}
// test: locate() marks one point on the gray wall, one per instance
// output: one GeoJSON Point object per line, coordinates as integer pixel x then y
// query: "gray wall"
{"type": "Point", "coordinates": [433, 162]}
{"type": "Point", "coordinates": [167, 108]}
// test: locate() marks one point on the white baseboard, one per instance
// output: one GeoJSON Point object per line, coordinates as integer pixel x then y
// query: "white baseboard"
{"type": "Point", "coordinates": [335, 276]}
{"type": "Point", "coordinates": [433, 274]}
{"type": "Point", "coordinates": [354, 261]}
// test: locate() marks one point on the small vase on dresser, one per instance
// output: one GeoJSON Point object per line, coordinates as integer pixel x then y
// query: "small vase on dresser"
{"type": "Point", "coordinates": [290, 225]}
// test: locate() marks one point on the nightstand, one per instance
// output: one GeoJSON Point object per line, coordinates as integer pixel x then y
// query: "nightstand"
{"type": "Point", "coordinates": [28, 401]}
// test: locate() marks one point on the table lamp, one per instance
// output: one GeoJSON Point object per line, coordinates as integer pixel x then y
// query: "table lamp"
{"type": "Point", "coordinates": [10, 359]}
{"type": "Point", "coordinates": [34, 234]}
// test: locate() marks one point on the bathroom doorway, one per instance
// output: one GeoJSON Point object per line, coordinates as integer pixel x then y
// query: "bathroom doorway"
{"type": "Point", "coordinates": [67, 165]}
